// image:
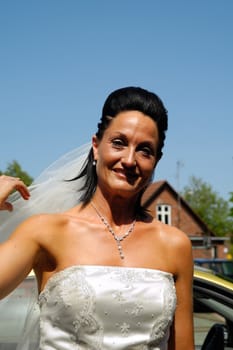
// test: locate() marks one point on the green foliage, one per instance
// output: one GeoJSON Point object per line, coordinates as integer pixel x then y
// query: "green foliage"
{"type": "Point", "coordinates": [231, 202]}
{"type": "Point", "coordinates": [212, 209]}
{"type": "Point", "coordinates": [14, 169]}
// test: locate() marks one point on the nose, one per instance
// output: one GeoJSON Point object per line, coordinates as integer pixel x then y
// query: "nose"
{"type": "Point", "coordinates": [128, 160]}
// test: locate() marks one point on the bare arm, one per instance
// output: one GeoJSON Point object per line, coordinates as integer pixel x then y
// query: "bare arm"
{"type": "Point", "coordinates": [7, 185]}
{"type": "Point", "coordinates": [182, 336]}
{"type": "Point", "coordinates": [18, 255]}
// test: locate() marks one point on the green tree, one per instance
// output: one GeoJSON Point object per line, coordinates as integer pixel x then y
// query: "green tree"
{"type": "Point", "coordinates": [212, 209]}
{"type": "Point", "coordinates": [14, 169]}
{"type": "Point", "coordinates": [231, 202]}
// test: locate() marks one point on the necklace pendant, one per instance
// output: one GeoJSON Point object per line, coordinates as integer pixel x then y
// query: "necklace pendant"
{"type": "Point", "coordinates": [121, 255]}
{"type": "Point", "coordinates": [110, 229]}
{"type": "Point", "coordinates": [120, 250]}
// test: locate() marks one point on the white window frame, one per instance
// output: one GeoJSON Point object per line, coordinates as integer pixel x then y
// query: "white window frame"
{"type": "Point", "coordinates": [163, 213]}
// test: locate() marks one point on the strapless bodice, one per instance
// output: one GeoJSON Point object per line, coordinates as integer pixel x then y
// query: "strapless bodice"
{"type": "Point", "coordinates": [106, 308]}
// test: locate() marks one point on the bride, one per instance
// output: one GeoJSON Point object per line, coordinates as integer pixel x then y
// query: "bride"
{"type": "Point", "coordinates": [109, 275]}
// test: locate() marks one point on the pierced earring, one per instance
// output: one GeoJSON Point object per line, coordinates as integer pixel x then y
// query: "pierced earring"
{"type": "Point", "coordinates": [94, 163]}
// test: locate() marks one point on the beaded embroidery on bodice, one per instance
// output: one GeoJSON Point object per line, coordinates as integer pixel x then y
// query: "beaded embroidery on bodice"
{"type": "Point", "coordinates": [106, 308]}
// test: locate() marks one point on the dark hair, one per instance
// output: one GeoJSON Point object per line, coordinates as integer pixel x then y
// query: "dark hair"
{"type": "Point", "coordinates": [124, 99]}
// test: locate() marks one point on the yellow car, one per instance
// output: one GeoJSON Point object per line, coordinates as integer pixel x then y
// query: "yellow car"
{"type": "Point", "coordinates": [222, 267]}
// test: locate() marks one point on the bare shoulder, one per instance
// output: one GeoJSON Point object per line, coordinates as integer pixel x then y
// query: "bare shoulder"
{"type": "Point", "coordinates": [172, 235]}
{"type": "Point", "coordinates": [37, 224]}
{"type": "Point", "coordinates": [175, 245]}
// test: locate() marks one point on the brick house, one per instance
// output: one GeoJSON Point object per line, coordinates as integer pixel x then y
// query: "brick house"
{"type": "Point", "coordinates": [165, 204]}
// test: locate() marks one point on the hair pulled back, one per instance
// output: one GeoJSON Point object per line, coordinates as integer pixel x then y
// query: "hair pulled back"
{"type": "Point", "coordinates": [125, 99]}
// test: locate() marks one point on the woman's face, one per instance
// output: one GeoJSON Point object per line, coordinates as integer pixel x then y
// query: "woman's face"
{"type": "Point", "coordinates": [126, 154]}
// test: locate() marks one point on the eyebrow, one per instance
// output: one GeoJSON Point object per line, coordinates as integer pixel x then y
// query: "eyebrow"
{"type": "Point", "coordinates": [124, 136]}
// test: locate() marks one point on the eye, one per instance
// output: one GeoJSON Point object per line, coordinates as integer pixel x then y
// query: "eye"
{"type": "Point", "coordinates": [146, 151]}
{"type": "Point", "coordinates": [118, 143]}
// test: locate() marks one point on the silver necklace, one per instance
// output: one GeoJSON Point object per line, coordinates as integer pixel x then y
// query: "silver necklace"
{"type": "Point", "coordinates": [118, 239]}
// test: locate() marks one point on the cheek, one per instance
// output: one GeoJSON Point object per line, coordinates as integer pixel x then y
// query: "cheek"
{"type": "Point", "coordinates": [103, 163]}
{"type": "Point", "coordinates": [148, 173]}
{"type": "Point", "coordinates": [148, 166]}
{"type": "Point", "coordinates": [107, 156]}
{"type": "Point", "coordinates": [148, 176]}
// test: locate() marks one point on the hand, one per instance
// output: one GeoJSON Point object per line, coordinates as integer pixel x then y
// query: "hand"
{"type": "Point", "coordinates": [9, 184]}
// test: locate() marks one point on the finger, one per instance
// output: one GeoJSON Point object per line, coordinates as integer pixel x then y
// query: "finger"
{"type": "Point", "coordinates": [6, 206]}
{"type": "Point", "coordinates": [9, 184]}
{"type": "Point", "coordinates": [23, 191]}
{"type": "Point", "coordinates": [20, 186]}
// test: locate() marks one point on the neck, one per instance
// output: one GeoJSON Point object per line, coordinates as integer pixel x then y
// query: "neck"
{"type": "Point", "coordinates": [116, 210]}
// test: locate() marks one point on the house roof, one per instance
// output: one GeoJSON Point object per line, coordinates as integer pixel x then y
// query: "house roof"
{"type": "Point", "coordinates": [154, 190]}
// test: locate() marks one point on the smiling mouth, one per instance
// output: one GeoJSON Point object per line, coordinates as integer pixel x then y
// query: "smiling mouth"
{"type": "Point", "coordinates": [129, 176]}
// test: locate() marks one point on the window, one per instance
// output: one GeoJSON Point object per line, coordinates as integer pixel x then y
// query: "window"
{"type": "Point", "coordinates": [213, 311]}
{"type": "Point", "coordinates": [163, 212]}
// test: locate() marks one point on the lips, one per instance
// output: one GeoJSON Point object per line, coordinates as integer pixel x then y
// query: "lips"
{"type": "Point", "coordinates": [128, 175]}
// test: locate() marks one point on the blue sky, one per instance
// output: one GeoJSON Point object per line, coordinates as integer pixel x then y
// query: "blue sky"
{"type": "Point", "coordinates": [59, 59]}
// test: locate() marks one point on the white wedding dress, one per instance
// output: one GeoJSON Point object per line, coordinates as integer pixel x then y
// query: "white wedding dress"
{"type": "Point", "coordinates": [106, 308]}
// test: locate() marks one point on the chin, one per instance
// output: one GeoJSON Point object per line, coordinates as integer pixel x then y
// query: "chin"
{"type": "Point", "coordinates": [127, 190]}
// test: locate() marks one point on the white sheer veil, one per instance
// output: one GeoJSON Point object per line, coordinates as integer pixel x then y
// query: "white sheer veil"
{"type": "Point", "coordinates": [50, 193]}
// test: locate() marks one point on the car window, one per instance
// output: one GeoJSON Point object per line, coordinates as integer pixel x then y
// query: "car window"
{"type": "Point", "coordinates": [208, 312]}
{"type": "Point", "coordinates": [213, 306]}
{"type": "Point", "coordinates": [203, 321]}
